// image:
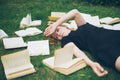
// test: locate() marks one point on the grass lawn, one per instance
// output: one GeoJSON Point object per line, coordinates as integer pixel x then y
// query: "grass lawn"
{"type": "Point", "coordinates": [11, 13]}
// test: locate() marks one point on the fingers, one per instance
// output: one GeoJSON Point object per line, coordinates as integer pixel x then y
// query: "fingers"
{"type": "Point", "coordinates": [98, 69]}
{"type": "Point", "coordinates": [47, 31]}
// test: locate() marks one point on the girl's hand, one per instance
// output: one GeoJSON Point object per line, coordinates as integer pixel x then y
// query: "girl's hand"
{"type": "Point", "coordinates": [98, 69]}
{"type": "Point", "coordinates": [49, 30]}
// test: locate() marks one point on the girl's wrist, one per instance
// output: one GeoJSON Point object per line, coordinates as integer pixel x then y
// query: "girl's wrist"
{"type": "Point", "coordinates": [89, 62]}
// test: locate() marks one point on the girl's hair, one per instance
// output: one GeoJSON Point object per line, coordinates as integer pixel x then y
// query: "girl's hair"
{"type": "Point", "coordinates": [52, 40]}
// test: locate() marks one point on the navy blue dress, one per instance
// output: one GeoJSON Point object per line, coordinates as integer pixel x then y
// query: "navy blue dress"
{"type": "Point", "coordinates": [102, 43]}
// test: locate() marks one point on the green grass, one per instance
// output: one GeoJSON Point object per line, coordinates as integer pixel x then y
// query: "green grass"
{"type": "Point", "coordinates": [11, 13]}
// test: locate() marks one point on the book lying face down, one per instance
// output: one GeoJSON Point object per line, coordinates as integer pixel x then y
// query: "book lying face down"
{"type": "Point", "coordinates": [63, 61]}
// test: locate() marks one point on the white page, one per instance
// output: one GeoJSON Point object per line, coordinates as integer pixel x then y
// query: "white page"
{"type": "Point", "coordinates": [116, 26]}
{"type": "Point", "coordinates": [63, 55]}
{"type": "Point", "coordinates": [49, 62]}
{"type": "Point", "coordinates": [94, 20]}
{"type": "Point", "coordinates": [2, 34]}
{"type": "Point", "coordinates": [106, 19]}
{"type": "Point", "coordinates": [86, 16]}
{"type": "Point", "coordinates": [58, 14]}
{"type": "Point", "coordinates": [27, 21]}
{"type": "Point", "coordinates": [15, 42]}
{"type": "Point", "coordinates": [33, 31]}
{"type": "Point", "coordinates": [36, 23]}
{"type": "Point", "coordinates": [38, 47]}
{"type": "Point", "coordinates": [28, 32]}
{"type": "Point", "coordinates": [21, 33]}
{"type": "Point", "coordinates": [18, 68]}
{"type": "Point", "coordinates": [70, 63]}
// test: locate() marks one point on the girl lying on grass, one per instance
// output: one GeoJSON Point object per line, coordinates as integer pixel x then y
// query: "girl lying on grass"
{"type": "Point", "coordinates": [102, 44]}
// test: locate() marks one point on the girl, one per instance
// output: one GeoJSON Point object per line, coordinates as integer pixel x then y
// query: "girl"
{"type": "Point", "coordinates": [103, 44]}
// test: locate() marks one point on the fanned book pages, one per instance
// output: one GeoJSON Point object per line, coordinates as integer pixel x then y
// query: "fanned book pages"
{"type": "Point", "coordinates": [17, 64]}
{"type": "Point", "coordinates": [2, 34]}
{"type": "Point", "coordinates": [63, 61]}
{"type": "Point", "coordinates": [27, 21]}
{"type": "Point", "coordinates": [28, 32]}
{"type": "Point", "coordinates": [15, 42]}
{"type": "Point", "coordinates": [40, 47]}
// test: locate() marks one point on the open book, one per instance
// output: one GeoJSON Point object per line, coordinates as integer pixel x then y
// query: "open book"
{"type": "Point", "coordinates": [111, 27]}
{"type": "Point", "coordinates": [2, 34]}
{"type": "Point", "coordinates": [109, 20]}
{"type": "Point", "coordinates": [17, 64]}
{"type": "Point", "coordinates": [94, 20]}
{"type": "Point", "coordinates": [63, 61]}
{"type": "Point", "coordinates": [15, 42]}
{"type": "Point", "coordinates": [40, 47]}
{"type": "Point", "coordinates": [27, 21]}
{"type": "Point", "coordinates": [28, 32]}
{"type": "Point", "coordinates": [56, 15]}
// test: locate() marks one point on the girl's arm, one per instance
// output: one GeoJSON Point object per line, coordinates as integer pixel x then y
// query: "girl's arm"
{"type": "Point", "coordinates": [96, 67]}
{"type": "Point", "coordinates": [73, 14]}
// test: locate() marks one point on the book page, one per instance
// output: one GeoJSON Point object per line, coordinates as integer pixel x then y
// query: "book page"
{"type": "Point", "coordinates": [106, 26]}
{"type": "Point", "coordinates": [86, 16]}
{"type": "Point", "coordinates": [23, 22]}
{"type": "Point", "coordinates": [70, 63]}
{"type": "Point", "coordinates": [94, 20]}
{"type": "Point", "coordinates": [28, 32]}
{"type": "Point", "coordinates": [36, 23]}
{"type": "Point", "coordinates": [33, 31]}
{"type": "Point", "coordinates": [116, 26]}
{"type": "Point", "coordinates": [18, 68]}
{"type": "Point", "coordinates": [2, 34]}
{"type": "Point", "coordinates": [28, 19]}
{"type": "Point", "coordinates": [21, 33]}
{"type": "Point", "coordinates": [58, 14]}
{"type": "Point", "coordinates": [49, 62]}
{"type": "Point", "coordinates": [63, 55]}
{"type": "Point", "coordinates": [15, 42]}
{"type": "Point", "coordinates": [106, 19]}
{"type": "Point", "coordinates": [36, 48]}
